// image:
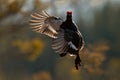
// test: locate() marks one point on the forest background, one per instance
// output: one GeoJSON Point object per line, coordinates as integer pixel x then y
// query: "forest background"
{"type": "Point", "coordinates": [26, 55]}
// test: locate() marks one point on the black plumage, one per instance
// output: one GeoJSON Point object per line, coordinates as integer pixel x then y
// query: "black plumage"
{"type": "Point", "coordinates": [72, 34]}
{"type": "Point", "coordinates": [67, 38]}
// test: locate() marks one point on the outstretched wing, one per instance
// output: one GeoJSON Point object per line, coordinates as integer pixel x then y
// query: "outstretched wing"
{"type": "Point", "coordinates": [67, 41]}
{"type": "Point", "coordinates": [60, 45]}
{"type": "Point", "coordinates": [45, 24]}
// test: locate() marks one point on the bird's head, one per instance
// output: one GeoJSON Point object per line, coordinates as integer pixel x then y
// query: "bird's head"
{"type": "Point", "coordinates": [69, 15]}
{"type": "Point", "coordinates": [69, 12]}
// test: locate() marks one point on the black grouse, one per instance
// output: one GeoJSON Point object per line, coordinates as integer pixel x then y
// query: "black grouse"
{"type": "Point", "coordinates": [67, 38]}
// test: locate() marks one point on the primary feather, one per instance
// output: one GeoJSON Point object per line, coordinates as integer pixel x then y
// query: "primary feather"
{"type": "Point", "coordinates": [45, 24]}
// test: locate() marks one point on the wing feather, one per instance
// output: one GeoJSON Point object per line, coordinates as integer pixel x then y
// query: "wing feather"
{"type": "Point", "coordinates": [60, 45]}
{"type": "Point", "coordinates": [41, 23]}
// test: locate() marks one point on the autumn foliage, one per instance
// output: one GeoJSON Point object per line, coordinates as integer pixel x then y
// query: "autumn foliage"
{"type": "Point", "coordinates": [26, 55]}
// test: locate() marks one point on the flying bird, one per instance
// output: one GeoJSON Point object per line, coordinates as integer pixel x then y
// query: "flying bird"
{"type": "Point", "coordinates": [66, 36]}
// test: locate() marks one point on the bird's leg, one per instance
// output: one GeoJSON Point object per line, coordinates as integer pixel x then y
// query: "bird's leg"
{"type": "Point", "coordinates": [77, 61]}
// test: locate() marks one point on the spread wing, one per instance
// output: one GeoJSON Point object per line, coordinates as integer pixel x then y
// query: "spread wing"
{"type": "Point", "coordinates": [60, 45]}
{"type": "Point", "coordinates": [45, 24]}
{"type": "Point", "coordinates": [67, 41]}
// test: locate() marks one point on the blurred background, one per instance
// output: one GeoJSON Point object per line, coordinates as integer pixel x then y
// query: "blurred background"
{"type": "Point", "coordinates": [26, 55]}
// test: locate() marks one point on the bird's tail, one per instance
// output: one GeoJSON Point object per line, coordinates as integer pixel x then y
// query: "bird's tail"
{"type": "Point", "coordinates": [77, 61]}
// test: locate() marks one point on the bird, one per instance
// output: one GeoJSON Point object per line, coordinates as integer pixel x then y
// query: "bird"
{"type": "Point", "coordinates": [66, 37]}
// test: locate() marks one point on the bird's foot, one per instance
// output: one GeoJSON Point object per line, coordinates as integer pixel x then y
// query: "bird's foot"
{"type": "Point", "coordinates": [77, 62]}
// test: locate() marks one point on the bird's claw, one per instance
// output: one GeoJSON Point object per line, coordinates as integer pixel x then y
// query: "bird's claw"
{"type": "Point", "coordinates": [77, 62]}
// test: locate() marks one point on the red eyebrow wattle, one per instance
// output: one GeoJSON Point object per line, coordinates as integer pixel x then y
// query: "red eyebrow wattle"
{"type": "Point", "coordinates": [69, 12]}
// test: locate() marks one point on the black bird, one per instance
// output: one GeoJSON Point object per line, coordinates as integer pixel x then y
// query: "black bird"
{"type": "Point", "coordinates": [67, 38]}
